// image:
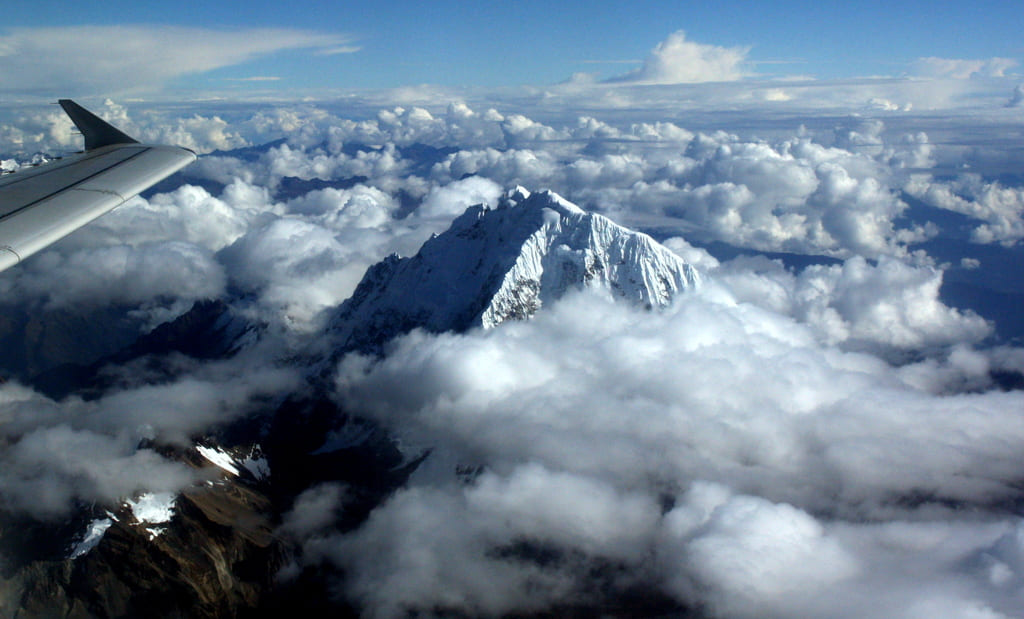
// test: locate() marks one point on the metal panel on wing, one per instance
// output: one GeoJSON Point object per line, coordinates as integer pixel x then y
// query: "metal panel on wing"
{"type": "Point", "coordinates": [41, 205]}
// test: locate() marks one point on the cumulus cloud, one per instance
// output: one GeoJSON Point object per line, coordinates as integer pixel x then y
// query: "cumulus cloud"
{"type": "Point", "coordinates": [190, 214]}
{"type": "Point", "coordinates": [751, 555]}
{"type": "Point", "coordinates": [454, 198]}
{"type": "Point", "coordinates": [198, 398]}
{"type": "Point", "coordinates": [121, 274]}
{"type": "Point", "coordinates": [470, 372]}
{"type": "Point", "coordinates": [311, 257]}
{"type": "Point", "coordinates": [834, 193]}
{"type": "Point", "coordinates": [885, 307]}
{"type": "Point", "coordinates": [315, 510]}
{"type": "Point", "coordinates": [679, 61]}
{"type": "Point", "coordinates": [296, 267]}
{"type": "Point", "coordinates": [999, 208]}
{"type": "Point", "coordinates": [624, 409]}
{"type": "Point", "coordinates": [427, 560]}
{"type": "Point", "coordinates": [134, 57]}
{"type": "Point", "coordinates": [197, 132]}
{"type": "Point", "coordinates": [35, 130]}
{"type": "Point", "coordinates": [52, 131]}
{"type": "Point", "coordinates": [796, 194]}
{"type": "Point", "coordinates": [359, 207]}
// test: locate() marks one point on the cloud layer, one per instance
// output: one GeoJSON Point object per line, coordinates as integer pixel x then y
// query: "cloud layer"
{"type": "Point", "coordinates": [962, 68]}
{"type": "Point", "coordinates": [817, 432]}
{"type": "Point", "coordinates": [775, 452]}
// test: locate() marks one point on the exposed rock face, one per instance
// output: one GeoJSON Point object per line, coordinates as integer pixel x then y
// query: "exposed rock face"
{"type": "Point", "coordinates": [215, 558]}
{"type": "Point", "coordinates": [211, 329]}
{"type": "Point", "coordinates": [503, 264]}
{"type": "Point", "coordinates": [37, 341]}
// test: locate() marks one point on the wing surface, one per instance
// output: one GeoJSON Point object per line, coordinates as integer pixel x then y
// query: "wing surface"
{"type": "Point", "coordinates": [41, 205]}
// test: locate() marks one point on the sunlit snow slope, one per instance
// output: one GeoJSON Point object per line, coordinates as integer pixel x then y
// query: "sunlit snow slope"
{"type": "Point", "coordinates": [505, 263]}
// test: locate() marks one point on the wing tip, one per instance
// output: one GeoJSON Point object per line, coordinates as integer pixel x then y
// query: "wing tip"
{"type": "Point", "coordinates": [97, 132]}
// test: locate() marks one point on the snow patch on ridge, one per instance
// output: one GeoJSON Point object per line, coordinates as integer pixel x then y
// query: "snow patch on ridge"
{"type": "Point", "coordinates": [153, 509]}
{"type": "Point", "coordinates": [93, 535]}
{"type": "Point", "coordinates": [254, 461]}
{"type": "Point", "coordinates": [220, 458]}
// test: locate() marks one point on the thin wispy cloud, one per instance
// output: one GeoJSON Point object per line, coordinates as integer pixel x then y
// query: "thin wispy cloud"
{"type": "Point", "coordinates": [136, 57]}
{"type": "Point", "coordinates": [257, 78]}
{"type": "Point", "coordinates": [780, 61]}
{"type": "Point", "coordinates": [633, 61]}
{"type": "Point", "coordinates": [958, 68]}
{"type": "Point", "coordinates": [342, 49]}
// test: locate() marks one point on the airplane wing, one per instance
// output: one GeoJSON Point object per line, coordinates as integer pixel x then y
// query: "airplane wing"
{"type": "Point", "coordinates": [41, 205]}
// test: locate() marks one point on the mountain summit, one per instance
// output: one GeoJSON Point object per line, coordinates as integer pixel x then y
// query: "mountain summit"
{"type": "Point", "coordinates": [505, 263]}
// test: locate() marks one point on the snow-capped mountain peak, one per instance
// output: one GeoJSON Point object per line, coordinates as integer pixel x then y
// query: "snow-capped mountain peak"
{"type": "Point", "coordinates": [496, 264]}
{"type": "Point", "coordinates": [545, 200]}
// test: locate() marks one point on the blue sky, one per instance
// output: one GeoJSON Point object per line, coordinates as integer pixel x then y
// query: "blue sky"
{"type": "Point", "coordinates": [454, 43]}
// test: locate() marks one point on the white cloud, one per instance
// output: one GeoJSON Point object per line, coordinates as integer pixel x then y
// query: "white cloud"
{"type": "Point", "coordinates": [719, 356]}
{"type": "Point", "coordinates": [890, 306]}
{"type": "Point", "coordinates": [442, 547]}
{"type": "Point", "coordinates": [297, 268]}
{"type": "Point", "coordinates": [999, 208]}
{"type": "Point", "coordinates": [37, 130]}
{"type": "Point", "coordinates": [358, 207]}
{"type": "Point", "coordinates": [133, 57]}
{"type": "Point", "coordinates": [198, 133]}
{"type": "Point", "coordinates": [121, 274]}
{"type": "Point", "coordinates": [679, 61]}
{"type": "Point", "coordinates": [313, 257]}
{"type": "Point", "coordinates": [57, 454]}
{"type": "Point", "coordinates": [753, 556]}
{"type": "Point", "coordinates": [696, 256]}
{"type": "Point", "coordinates": [424, 559]}
{"type": "Point", "coordinates": [776, 94]}
{"type": "Point", "coordinates": [189, 213]}
{"type": "Point", "coordinates": [835, 193]}
{"type": "Point", "coordinates": [454, 198]}
{"type": "Point", "coordinates": [49, 467]}
{"type": "Point", "coordinates": [341, 49]}
{"type": "Point", "coordinates": [315, 510]}
{"type": "Point", "coordinates": [589, 395]}
{"type": "Point", "coordinates": [792, 194]}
